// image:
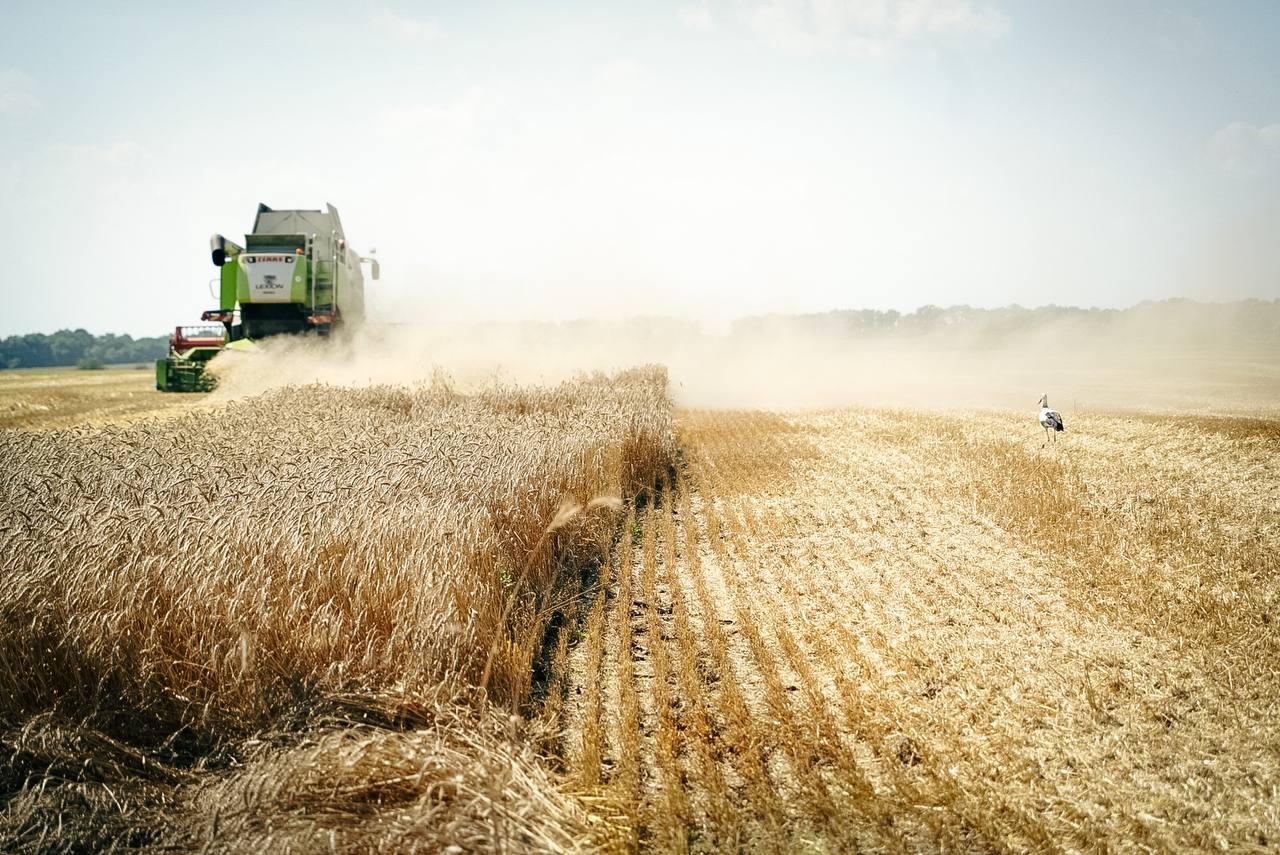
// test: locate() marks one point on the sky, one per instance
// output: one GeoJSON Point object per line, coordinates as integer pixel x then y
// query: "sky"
{"type": "Point", "coordinates": [702, 158]}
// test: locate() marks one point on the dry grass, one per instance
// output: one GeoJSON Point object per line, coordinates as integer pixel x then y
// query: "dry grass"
{"type": "Point", "coordinates": [297, 621]}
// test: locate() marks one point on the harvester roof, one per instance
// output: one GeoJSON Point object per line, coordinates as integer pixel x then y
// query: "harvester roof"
{"type": "Point", "coordinates": [322, 224]}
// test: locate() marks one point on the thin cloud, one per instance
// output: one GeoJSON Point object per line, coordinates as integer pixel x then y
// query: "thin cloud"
{"type": "Point", "coordinates": [474, 117]}
{"type": "Point", "coordinates": [871, 26]}
{"type": "Point", "coordinates": [116, 154]}
{"type": "Point", "coordinates": [697, 17]}
{"type": "Point", "coordinates": [1246, 150]}
{"type": "Point", "coordinates": [621, 75]}
{"type": "Point", "coordinates": [123, 169]}
{"type": "Point", "coordinates": [407, 27]}
{"type": "Point", "coordinates": [17, 92]}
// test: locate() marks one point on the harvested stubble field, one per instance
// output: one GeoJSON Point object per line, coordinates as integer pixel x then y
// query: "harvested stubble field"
{"type": "Point", "coordinates": [46, 398]}
{"type": "Point", "coordinates": [857, 629]}
{"type": "Point", "coordinates": [890, 631]}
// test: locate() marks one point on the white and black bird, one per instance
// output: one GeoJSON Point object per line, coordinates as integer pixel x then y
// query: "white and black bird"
{"type": "Point", "coordinates": [1050, 420]}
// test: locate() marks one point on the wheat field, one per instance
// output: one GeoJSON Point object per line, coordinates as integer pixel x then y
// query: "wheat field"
{"type": "Point", "coordinates": [571, 619]}
{"type": "Point", "coordinates": [309, 619]}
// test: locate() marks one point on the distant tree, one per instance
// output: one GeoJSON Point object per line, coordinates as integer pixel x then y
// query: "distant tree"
{"type": "Point", "coordinates": [69, 347]}
{"type": "Point", "coordinates": [1253, 321]}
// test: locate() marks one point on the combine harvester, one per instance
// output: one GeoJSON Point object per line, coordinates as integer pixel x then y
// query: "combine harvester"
{"type": "Point", "coordinates": [295, 275]}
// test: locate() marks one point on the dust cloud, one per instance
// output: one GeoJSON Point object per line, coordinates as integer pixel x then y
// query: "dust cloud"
{"type": "Point", "coordinates": [1174, 356]}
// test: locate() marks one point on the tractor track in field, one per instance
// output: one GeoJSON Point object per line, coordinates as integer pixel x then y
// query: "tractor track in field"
{"type": "Point", "coordinates": [810, 642]}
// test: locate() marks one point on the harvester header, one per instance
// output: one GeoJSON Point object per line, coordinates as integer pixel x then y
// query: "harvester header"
{"type": "Point", "coordinates": [190, 348]}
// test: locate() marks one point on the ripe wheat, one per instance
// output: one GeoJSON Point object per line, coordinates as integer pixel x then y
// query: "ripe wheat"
{"type": "Point", "coordinates": [297, 619]}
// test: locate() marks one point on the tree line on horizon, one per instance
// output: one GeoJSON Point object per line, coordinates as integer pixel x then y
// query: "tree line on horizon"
{"type": "Point", "coordinates": [1240, 322]}
{"type": "Point", "coordinates": [1243, 321]}
{"type": "Point", "coordinates": [79, 348]}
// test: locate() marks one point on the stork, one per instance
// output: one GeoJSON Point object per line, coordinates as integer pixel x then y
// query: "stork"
{"type": "Point", "coordinates": [1050, 420]}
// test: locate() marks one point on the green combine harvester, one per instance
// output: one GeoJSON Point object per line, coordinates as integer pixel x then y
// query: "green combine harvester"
{"type": "Point", "coordinates": [295, 275]}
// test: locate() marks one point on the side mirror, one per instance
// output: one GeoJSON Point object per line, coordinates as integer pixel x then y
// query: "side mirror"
{"type": "Point", "coordinates": [374, 270]}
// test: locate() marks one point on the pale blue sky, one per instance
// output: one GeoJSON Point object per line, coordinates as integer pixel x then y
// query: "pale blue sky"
{"type": "Point", "coordinates": [719, 158]}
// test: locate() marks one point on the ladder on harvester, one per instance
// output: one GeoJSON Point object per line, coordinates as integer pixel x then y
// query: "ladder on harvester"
{"type": "Point", "coordinates": [326, 273]}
